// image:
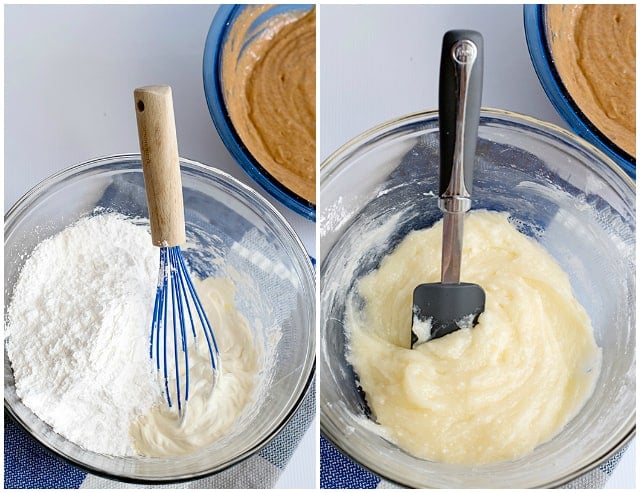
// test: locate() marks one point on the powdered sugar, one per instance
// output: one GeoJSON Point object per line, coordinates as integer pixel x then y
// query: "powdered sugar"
{"type": "Point", "coordinates": [87, 380]}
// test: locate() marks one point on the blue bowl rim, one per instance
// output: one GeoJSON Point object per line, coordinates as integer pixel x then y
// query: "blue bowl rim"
{"type": "Point", "coordinates": [215, 102]}
{"type": "Point", "coordinates": [535, 33]}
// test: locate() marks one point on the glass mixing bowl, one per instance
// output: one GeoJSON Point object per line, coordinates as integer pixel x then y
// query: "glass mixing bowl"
{"type": "Point", "coordinates": [561, 191]}
{"type": "Point", "coordinates": [224, 219]}
{"type": "Point", "coordinates": [214, 51]}
{"type": "Point", "coordinates": [537, 34]}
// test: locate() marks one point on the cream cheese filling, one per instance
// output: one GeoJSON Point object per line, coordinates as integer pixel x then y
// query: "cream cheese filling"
{"type": "Point", "coordinates": [480, 395]}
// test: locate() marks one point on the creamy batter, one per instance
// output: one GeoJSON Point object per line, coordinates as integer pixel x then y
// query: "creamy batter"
{"type": "Point", "coordinates": [269, 86]}
{"type": "Point", "coordinates": [211, 410]}
{"type": "Point", "coordinates": [594, 51]}
{"type": "Point", "coordinates": [480, 395]}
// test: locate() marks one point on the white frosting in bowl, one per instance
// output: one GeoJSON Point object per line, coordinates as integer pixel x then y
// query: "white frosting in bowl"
{"type": "Point", "coordinates": [480, 395]}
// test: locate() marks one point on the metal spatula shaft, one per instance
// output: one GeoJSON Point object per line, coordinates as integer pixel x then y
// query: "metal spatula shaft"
{"type": "Point", "coordinates": [442, 308]}
{"type": "Point", "coordinates": [452, 233]}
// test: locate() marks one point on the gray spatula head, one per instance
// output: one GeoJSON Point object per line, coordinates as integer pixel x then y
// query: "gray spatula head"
{"type": "Point", "coordinates": [439, 309]}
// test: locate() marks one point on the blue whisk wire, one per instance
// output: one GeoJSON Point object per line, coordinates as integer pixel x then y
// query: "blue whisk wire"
{"type": "Point", "coordinates": [208, 331]}
{"type": "Point", "coordinates": [175, 291]}
{"type": "Point", "coordinates": [176, 288]}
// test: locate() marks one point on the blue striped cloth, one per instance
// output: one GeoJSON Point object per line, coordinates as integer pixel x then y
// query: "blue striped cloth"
{"type": "Point", "coordinates": [338, 471]}
{"type": "Point", "coordinates": [27, 465]}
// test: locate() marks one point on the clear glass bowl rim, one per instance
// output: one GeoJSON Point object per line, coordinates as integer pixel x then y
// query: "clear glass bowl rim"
{"type": "Point", "coordinates": [330, 164]}
{"type": "Point", "coordinates": [21, 206]}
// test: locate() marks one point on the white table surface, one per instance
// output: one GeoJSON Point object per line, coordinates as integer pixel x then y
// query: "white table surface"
{"type": "Point", "coordinates": [381, 62]}
{"type": "Point", "coordinates": [70, 72]}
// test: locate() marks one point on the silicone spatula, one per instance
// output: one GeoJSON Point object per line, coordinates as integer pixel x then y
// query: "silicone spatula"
{"type": "Point", "coordinates": [447, 306]}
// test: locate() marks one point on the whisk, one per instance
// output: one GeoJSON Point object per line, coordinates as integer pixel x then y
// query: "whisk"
{"type": "Point", "coordinates": [178, 314]}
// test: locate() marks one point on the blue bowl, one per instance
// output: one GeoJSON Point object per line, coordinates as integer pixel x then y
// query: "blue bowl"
{"type": "Point", "coordinates": [535, 27]}
{"type": "Point", "coordinates": [211, 69]}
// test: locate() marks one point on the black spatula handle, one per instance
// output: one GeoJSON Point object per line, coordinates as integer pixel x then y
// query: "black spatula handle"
{"type": "Point", "coordinates": [460, 94]}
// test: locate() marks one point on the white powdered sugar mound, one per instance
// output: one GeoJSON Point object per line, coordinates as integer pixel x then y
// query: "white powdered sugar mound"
{"type": "Point", "coordinates": [77, 331]}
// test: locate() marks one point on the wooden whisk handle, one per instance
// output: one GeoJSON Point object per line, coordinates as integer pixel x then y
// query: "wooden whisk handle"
{"type": "Point", "coordinates": [160, 164]}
